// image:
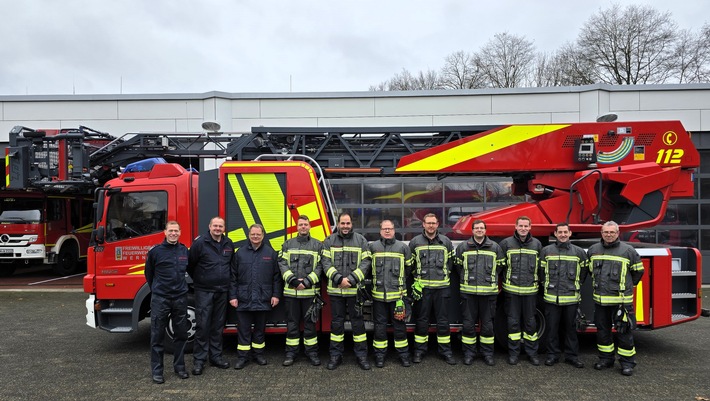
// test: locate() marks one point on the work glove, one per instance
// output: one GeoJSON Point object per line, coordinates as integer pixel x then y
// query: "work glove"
{"type": "Point", "coordinates": [399, 310]}
{"type": "Point", "coordinates": [417, 290]}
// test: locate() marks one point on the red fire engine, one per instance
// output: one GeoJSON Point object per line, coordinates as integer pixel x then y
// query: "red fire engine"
{"type": "Point", "coordinates": [583, 173]}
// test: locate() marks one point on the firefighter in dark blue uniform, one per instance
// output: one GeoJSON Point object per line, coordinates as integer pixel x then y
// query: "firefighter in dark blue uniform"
{"type": "Point", "coordinates": [165, 268]}
{"type": "Point", "coordinates": [209, 267]}
{"type": "Point", "coordinates": [255, 288]}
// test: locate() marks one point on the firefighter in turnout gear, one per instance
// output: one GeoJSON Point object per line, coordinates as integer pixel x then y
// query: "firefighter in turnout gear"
{"type": "Point", "coordinates": [433, 257]}
{"type": "Point", "coordinates": [478, 263]}
{"type": "Point", "coordinates": [391, 265]}
{"type": "Point", "coordinates": [346, 263]}
{"type": "Point", "coordinates": [616, 268]}
{"type": "Point", "coordinates": [300, 265]}
{"type": "Point", "coordinates": [563, 270]}
{"type": "Point", "coordinates": [520, 287]}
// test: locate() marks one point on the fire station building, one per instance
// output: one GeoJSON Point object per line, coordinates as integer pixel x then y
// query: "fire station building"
{"type": "Point", "coordinates": [371, 199]}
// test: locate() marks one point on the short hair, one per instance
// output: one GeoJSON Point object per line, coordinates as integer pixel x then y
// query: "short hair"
{"type": "Point", "coordinates": [611, 223]}
{"type": "Point", "coordinates": [430, 215]}
{"type": "Point", "coordinates": [561, 225]}
{"type": "Point", "coordinates": [522, 218]}
{"type": "Point", "coordinates": [479, 221]}
{"type": "Point", "coordinates": [343, 214]}
{"type": "Point", "coordinates": [171, 222]}
{"type": "Point", "coordinates": [386, 220]}
{"type": "Point", "coordinates": [304, 217]}
{"type": "Point", "coordinates": [217, 217]}
{"type": "Point", "coordinates": [259, 226]}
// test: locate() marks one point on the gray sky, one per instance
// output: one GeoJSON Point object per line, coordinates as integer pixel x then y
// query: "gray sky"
{"type": "Point", "coordinates": [179, 46]}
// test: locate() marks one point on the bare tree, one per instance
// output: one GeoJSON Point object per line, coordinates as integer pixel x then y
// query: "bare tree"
{"type": "Point", "coordinates": [460, 71]}
{"type": "Point", "coordinates": [506, 60]}
{"type": "Point", "coordinates": [691, 59]}
{"type": "Point", "coordinates": [405, 81]}
{"type": "Point", "coordinates": [629, 46]}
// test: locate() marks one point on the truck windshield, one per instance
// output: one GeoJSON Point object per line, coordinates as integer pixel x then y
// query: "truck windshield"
{"type": "Point", "coordinates": [20, 210]}
{"type": "Point", "coordinates": [134, 214]}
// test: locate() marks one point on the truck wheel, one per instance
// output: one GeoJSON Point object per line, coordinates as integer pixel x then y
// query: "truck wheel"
{"type": "Point", "coordinates": [7, 269]}
{"type": "Point", "coordinates": [67, 261]}
{"type": "Point", "coordinates": [169, 344]}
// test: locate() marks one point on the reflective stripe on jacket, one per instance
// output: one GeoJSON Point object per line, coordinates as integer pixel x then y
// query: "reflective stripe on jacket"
{"type": "Point", "coordinates": [479, 266]}
{"type": "Point", "coordinates": [615, 268]}
{"type": "Point", "coordinates": [433, 260]}
{"type": "Point", "coordinates": [563, 269]}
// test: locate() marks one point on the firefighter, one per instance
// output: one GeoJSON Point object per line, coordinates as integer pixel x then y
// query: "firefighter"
{"type": "Point", "coordinates": [478, 263]}
{"type": "Point", "coordinates": [563, 270]}
{"type": "Point", "coordinates": [165, 267]}
{"type": "Point", "coordinates": [346, 263]}
{"type": "Point", "coordinates": [433, 257]}
{"type": "Point", "coordinates": [255, 288]}
{"type": "Point", "coordinates": [209, 267]}
{"type": "Point", "coordinates": [616, 268]}
{"type": "Point", "coordinates": [391, 265]}
{"type": "Point", "coordinates": [520, 287]}
{"type": "Point", "coordinates": [300, 265]}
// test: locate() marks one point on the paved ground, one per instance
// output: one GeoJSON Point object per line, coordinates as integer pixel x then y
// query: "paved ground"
{"type": "Point", "coordinates": [47, 352]}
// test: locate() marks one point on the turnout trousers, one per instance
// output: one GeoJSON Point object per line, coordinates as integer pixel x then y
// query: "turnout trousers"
{"type": "Point", "coordinates": [211, 313]}
{"type": "Point", "coordinates": [478, 308]}
{"type": "Point", "coordinates": [295, 314]}
{"type": "Point", "coordinates": [603, 319]}
{"type": "Point", "coordinates": [248, 338]}
{"type": "Point", "coordinates": [515, 307]}
{"type": "Point", "coordinates": [383, 313]}
{"type": "Point", "coordinates": [562, 315]}
{"type": "Point", "coordinates": [162, 310]}
{"type": "Point", "coordinates": [339, 308]}
{"type": "Point", "coordinates": [436, 299]}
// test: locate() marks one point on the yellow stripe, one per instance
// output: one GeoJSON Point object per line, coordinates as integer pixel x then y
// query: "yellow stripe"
{"type": "Point", "coordinates": [240, 234]}
{"type": "Point", "coordinates": [7, 170]}
{"type": "Point", "coordinates": [490, 143]}
{"type": "Point", "coordinates": [639, 302]}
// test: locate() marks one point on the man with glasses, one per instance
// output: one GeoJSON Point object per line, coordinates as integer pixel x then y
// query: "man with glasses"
{"type": "Point", "coordinates": [433, 257]}
{"type": "Point", "coordinates": [616, 268]}
{"type": "Point", "coordinates": [391, 264]}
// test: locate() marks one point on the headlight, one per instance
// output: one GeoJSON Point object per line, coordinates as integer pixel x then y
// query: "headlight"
{"type": "Point", "coordinates": [33, 238]}
{"type": "Point", "coordinates": [34, 251]}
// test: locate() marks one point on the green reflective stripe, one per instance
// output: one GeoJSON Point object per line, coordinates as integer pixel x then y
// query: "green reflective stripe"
{"type": "Point", "coordinates": [510, 270]}
{"type": "Point", "coordinates": [607, 349]}
{"type": "Point", "coordinates": [562, 299]}
{"type": "Point", "coordinates": [258, 345]}
{"type": "Point", "coordinates": [243, 347]}
{"type": "Point", "coordinates": [417, 257]}
{"type": "Point", "coordinates": [304, 293]}
{"type": "Point", "coordinates": [287, 275]}
{"type": "Point", "coordinates": [479, 289]}
{"type": "Point", "coordinates": [314, 278]}
{"type": "Point", "coordinates": [463, 259]}
{"type": "Point", "coordinates": [389, 255]}
{"type": "Point", "coordinates": [379, 344]}
{"type": "Point", "coordinates": [310, 341]}
{"type": "Point", "coordinates": [342, 291]}
{"type": "Point", "coordinates": [401, 343]}
{"type": "Point", "coordinates": [530, 337]}
{"type": "Point", "coordinates": [421, 339]}
{"type": "Point", "coordinates": [359, 274]}
{"type": "Point", "coordinates": [519, 290]}
{"type": "Point", "coordinates": [613, 299]}
{"type": "Point", "coordinates": [514, 336]}
{"type": "Point", "coordinates": [435, 283]}
{"type": "Point", "coordinates": [626, 352]}
{"type": "Point", "coordinates": [388, 296]}
{"type": "Point", "coordinates": [637, 266]}
{"type": "Point", "coordinates": [468, 340]}
{"type": "Point", "coordinates": [338, 338]}
{"type": "Point", "coordinates": [487, 340]}
{"type": "Point", "coordinates": [580, 266]}
{"type": "Point", "coordinates": [443, 339]}
{"type": "Point", "coordinates": [293, 341]}
{"type": "Point", "coordinates": [360, 338]}
{"type": "Point", "coordinates": [331, 272]}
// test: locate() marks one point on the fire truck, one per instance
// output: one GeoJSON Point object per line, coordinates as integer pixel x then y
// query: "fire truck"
{"type": "Point", "coordinates": [43, 219]}
{"type": "Point", "coordinates": [582, 173]}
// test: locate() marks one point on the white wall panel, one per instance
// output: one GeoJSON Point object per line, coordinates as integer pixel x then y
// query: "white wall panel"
{"type": "Point", "coordinates": [432, 105]}
{"type": "Point", "coordinates": [535, 103]}
{"type": "Point", "coordinates": [58, 110]}
{"type": "Point", "coordinates": [326, 107]}
{"type": "Point", "coordinates": [159, 109]}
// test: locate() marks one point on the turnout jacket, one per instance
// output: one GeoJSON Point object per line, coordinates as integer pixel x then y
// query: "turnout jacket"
{"type": "Point", "coordinates": [522, 263]}
{"type": "Point", "coordinates": [345, 256]}
{"type": "Point", "coordinates": [209, 263]}
{"type": "Point", "coordinates": [616, 268]}
{"type": "Point", "coordinates": [563, 269]}
{"type": "Point", "coordinates": [300, 258]}
{"type": "Point", "coordinates": [255, 277]}
{"type": "Point", "coordinates": [433, 260]}
{"type": "Point", "coordinates": [165, 267]}
{"type": "Point", "coordinates": [391, 265]}
{"type": "Point", "coordinates": [479, 266]}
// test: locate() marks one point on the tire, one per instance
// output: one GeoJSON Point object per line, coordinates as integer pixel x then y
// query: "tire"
{"type": "Point", "coordinates": [500, 322]}
{"type": "Point", "coordinates": [68, 260]}
{"type": "Point", "coordinates": [169, 344]}
{"type": "Point", "coordinates": [7, 269]}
